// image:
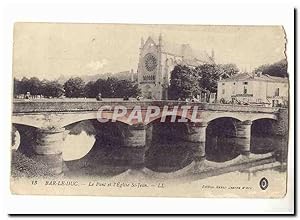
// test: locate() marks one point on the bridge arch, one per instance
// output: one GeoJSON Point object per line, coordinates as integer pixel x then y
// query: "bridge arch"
{"type": "Point", "coordinates": [74, 118]}
{"type": "Point", "coordinates": [26, 136]}
{"type": "Point", "coordinates": [222, 126]}
{"type": "Point", "coordinates": [106, 147]}
{"type": "Point", "coordinates": [168, 151]}
{"type": "Point", "coordinates": [26, 121]}
{"type": "Point", "coordinates": [263, 126]}
{"type": "Point", "coordinates": [263, 136]}
{"type": "Point", "coordinates": [232, 115]}
{"type": "Point", "coordinates": [168, 129]}
{"type": "Point", "coordinates": [264, 116]}
{"type": "Point", "coordinates": [108, 135]}
{"type": "Point", "coordinates": [177, 115]}
{"type": "Point", "coordinates": [241, 116]}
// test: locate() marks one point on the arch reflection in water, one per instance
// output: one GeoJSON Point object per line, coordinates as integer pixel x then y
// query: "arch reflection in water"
{"type": "Point", "coordinates": [16, 139]}
{"type": "Point", "coordinates": [167, 150]}
{"type": "Point", "coordinates": [100, 149]}
{"type": "Point", "coordinates": [78, 142]}
{"type": "Point", "coordinates": [221, 143]}
{"type": "Point", "coordinates": [263, 140]}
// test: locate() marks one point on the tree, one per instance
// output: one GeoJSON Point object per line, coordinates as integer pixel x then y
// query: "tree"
{"type": "Point", "coordinates": [227, 70]}
{"type": "Point", "coordinates": [90, 90]}
{"type": "Point", "coordinates": [17, 87]}
{"type": "Point", "coordinates": [208, 75]}
{"type": "Point", "coordinates": [111, 88]}
{"type": "Point", "coordinates": [126, 88]}
{"type": "Point", "coordinates": [187, 82]}
{"type": "Point", "coordinates": [35, 86]}
{"type": "Point", "coordinates": [74, 87]}
{"type": "Point", "coordinates": [183, 83]}
{"type": "Point", "coordinates": [24, 85]}
{"type": "Point", "coordinates": [32, 85]}
{"type": "Point", "coordinates": [52, 88]}
{"type": "Point", "coordinates": [276, 69]}
{"type": "Point", "coordinates": [104, 87]}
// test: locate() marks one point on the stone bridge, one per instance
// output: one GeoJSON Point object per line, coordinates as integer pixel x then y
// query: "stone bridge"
{"type": "Point", "coordinates": [50, 118]}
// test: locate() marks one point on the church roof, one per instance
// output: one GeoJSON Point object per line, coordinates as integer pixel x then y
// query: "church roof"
{"type": "Point", "coordinates": [191, 56]}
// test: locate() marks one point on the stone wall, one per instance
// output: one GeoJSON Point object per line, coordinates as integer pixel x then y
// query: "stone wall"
{"type": "Point", "coordinates": [281, 127]}
{"type": "Point", "coordinates": [77, 106]}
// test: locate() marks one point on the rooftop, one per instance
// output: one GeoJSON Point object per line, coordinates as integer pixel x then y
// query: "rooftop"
{"type": "Point", "coordinates": [255, 77]}
{"type": "Point", "coordinates": [191, 56]}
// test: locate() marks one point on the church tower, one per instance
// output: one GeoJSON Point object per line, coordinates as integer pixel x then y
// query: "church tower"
{"type": "Point", "coordinates": [158, 59]}
{"type": "Point", "coordinates": [149, 69]}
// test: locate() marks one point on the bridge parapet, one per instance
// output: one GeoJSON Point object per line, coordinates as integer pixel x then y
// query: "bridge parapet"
{"type": "Point", "coordinates": [242, 108]}
{"type": "Point", "coordinates": [78, 106]}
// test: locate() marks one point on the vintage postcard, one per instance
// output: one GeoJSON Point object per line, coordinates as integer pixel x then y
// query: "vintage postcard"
{"type": "Point", "coordinates": [149, 110]}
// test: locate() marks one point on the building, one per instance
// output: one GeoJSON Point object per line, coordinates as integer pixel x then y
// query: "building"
{"type": "Point", "coordinates": [253, 89]}
{"type": "Point", "coordinates": [126, 75]}
{"type": "Point", "coordinates": [157, 60]}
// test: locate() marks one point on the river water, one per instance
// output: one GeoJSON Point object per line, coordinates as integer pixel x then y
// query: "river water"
{"type": "Point", "coordinates": [83, 156]}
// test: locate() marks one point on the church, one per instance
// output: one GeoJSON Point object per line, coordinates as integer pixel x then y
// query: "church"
{"type": "Point", "coordinates": [156, 61]}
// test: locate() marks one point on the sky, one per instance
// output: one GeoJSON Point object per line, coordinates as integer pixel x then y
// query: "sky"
{"type": "Point", "coordinates": [49, 50]}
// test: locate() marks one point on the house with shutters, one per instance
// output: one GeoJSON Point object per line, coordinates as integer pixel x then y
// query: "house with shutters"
{"type": "Point", "coordinates": [256, 88]}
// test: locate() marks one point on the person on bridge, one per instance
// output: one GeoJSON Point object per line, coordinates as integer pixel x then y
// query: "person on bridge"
{"type": "Point", "coordinates": [99, 97]}
{"type": "Point", "coordinates": [27, 96]}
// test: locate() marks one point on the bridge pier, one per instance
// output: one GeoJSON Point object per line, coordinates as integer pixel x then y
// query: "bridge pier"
{"type": "Point", "coordinates": [280, 129]}
{"type": "Point", "coordinates": [149, 134]}
{"type": "Point", "coordinates": [196, 136]}
{"type": "Point", "coordinates": [47, 149]}
{"type": "Point", "coordinates": [243, 135]}
{"type": "Point", "coordinates": [135, 141]}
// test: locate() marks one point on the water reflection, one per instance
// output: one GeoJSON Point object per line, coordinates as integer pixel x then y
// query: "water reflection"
{"type": "Point", "coordinates": [100, 153]}
{"type": "Point", "coordinates": [168, 157]}
{"type": "Point", "coordinates": [221, 149]}
{"type": "Point", "coordinates": [16, 139]}
{"type": "Point", "coordinates": [91, 148]}
{"type": "Point", "coordinates": [161, 156]}
{"type": "Point", "coordinates": [77, 146]}
{"type": "Point", "coordinates": [79, 140]}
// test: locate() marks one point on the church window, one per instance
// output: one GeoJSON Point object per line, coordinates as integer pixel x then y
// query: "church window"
{"type": "Point", "coordinates": [150, 62]}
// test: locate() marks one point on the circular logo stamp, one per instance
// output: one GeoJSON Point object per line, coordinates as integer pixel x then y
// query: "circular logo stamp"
{"type": "Point", "coordinates": [263, 183]}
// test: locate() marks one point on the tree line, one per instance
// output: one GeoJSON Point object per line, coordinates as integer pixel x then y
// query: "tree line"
{"type": "Point", "coordinates": [187, 82]}
{"type": "Point", "coordinates": [75, 87]}
{"type": "Point", "coordinates": [278, 69]}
